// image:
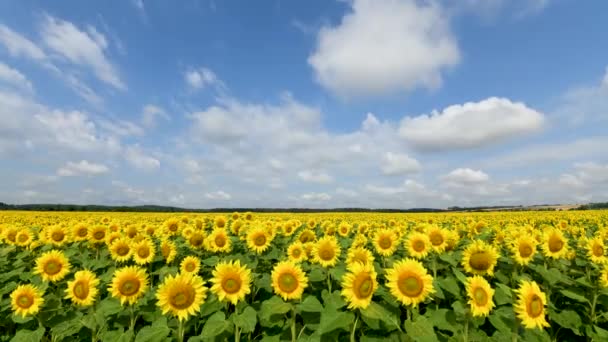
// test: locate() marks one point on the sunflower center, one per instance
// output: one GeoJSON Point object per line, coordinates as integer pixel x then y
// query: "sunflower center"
{"type": "Point", "coordinates": [190, 267]}
{"type": "Point", "coordinates": [326, 253]}
{"type": "Point", "coordinates": [260, 240]}
{"type": "Point", "coordinates": [385, 242]}
{"type": "Point", "coordinates": [287, 282]}
{"type": "Point", "coordinates": [296, 252]}
{"type": "Point", "coordinates": [231, 285]}
{"type": "Point", "coordinates": [220, 241]}
{"type": "Point", "coordinates": [436, 239]}
{"type": "Point", "coordinates": [81, 290]}
{"type": "Point", "coordinates": [129, 287]}
{"type": "Point", "coordinates": [57, 236]}
{"type": "Point", "coordinates": [122, 250]}
{"type": "Point", "coordinates": [360, 258]}
{"type": "Point", "coordinates": [82, 232]}
{"type": "Point", "coordinates": [98, 235]}
{"type": "Point", "coordinates": [598, 250]}
{"type": "Point", "coordinates": [525, 250]}
{"type": "Point", "coordinates": [534, 306]}
{"type": "Point", "coordinates": [555, 243]}
{"type": "Point", "coordinates": [143, 251]}
{"type": "Point", "coordinates": [22, 238]}
{"type": "Point", "coordinates": [418, 245]}
{"type": "Point", "coordinates": [196, 240]}
{"type": "Point", "coordinates": [363, 286]}
{"type": "Point", "coordinates": [52, 267]}
{"type": "Point", "coordinates": [480, 261]}
{"type": "Point", "coordinates": [480, 296]}
{"type": "Point", "coordinates": [183, 298]}
{"type": "Point", "coordinates": [410, 285]}
{"type": "Point", "coordinates": [25, 301]}
{"type": "Point", "coordinates": [173, 227]}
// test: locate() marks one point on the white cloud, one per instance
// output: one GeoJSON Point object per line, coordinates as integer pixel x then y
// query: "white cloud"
{"type": "Point", "coordinates": [399, 164]}
{"type": "Point", "coordinates": [82, 168]}
{"type": "Point", "coordinates": [465, 176]}
{"type": "Point", "coordinates": [136, 157]}
{"type": "Point", "coordinates": [314, 176]}
{"type": "Point", "coordinates": [15, 78]}
{"type": "Point", "coordinates": [218, 195]}
{"type": "Point", "coordinates": [19, 46]}
{"type": "Point", "coordinates": [471, 125]}
{"type": "Point", "coordinates": [384, 46]}
{"type": "Point", "coordinates": [86, 48]}
{"type": "Point", "coordinates": [316, 196]}
{"type": "Point", "coordinates": [202, 77]}
{"type": "Point", "coordinates": [151, 114]}
{"type": "Point", "coordinates": [121, 127]}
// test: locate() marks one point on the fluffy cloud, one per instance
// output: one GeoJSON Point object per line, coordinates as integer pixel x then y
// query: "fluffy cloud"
{"type": "Point", "coordinates": [316, 196]}
{"type": "Point", "coordinates": [471, 125]}
{"type": "Point", "coordinates": [415, 46]}
{"type": "Point", "coordinates": [86, 48]}
{"type": "Point", "coordinates": [151, 114]}
{"type": "Point", "coordinates": [201, 78]}
{"type": "Point", "coordinates": [313, 176]}
{"type": "Point", "coordinates": [14, 78]}
{"type": "Point", "coordinates": [19, 46]}
{"type": "Point", "coordinates": [218, 195]}
{"type": "Point", "coordinates": [399, 164]}
{"type": "Point", "coordinates": [136, 157]}
{"type": "Point", "coordinates": [82, 168]}
{"type": "Point", "coordinates": [465, 176]}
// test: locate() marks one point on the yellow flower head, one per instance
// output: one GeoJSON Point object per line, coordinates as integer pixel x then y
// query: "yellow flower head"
{"type": "Point", "coordinates": [385, 241]}
{"type": "Point", "coordinates": [438, 238]}
{"type": "Point", "coordinates": [288, 280]}
{"type": "Point", "coordinates": [80, 232]}
{"type": "Point", "coordinates": [359, 285]}
{"type": "Point", "coordinates": [359, 255]}
{"type": "Point", "coordinates": [168, 250]}
{"type": "Point", "coordinates": [143, 251]}
{"type": "Point", "coordinates": [181, 295]}
{"type": "Point", "coordinates": [231, 281]}
{"type": "Point", "coordinates": [409, 282]}
{"type": "Point", "coordinates": [555, 244]}
{"type": "Point", "coordinates": [57, 235]}
{"type": "Point", "coordinates": [26, 300]}
{"type": "Point", "coordinates": [530, 305]}
{"type": "Point", "coordinates": [258, 240]}
{"type": "Point", "coordinates": [480, 296]}
{"type": "Point", "coordinates": [327, 251]}
{"type": "Point", "coordinates": [83, 289]}
{"type": "Point", "coordinates": [480, 258]}
{"type": "Point", "coordinates": [418, 245]}
{"type": "Point", "coordinates": [218, 241]}
{"type": "Point", "coordinates": [120, 250]}
{"type": "Point", "coordinates": [190, 264]}
{"type": "Point", "coordinates": [296, 252]}
{"type": "Point", "coordinates": [196, 240]}
{"type": "Point", "coordinates": [52, 266]}
{"type": "Point", "coordinates": [524, 249]}
{"type": "Point", "coordinates": [596, 251]}
{"type": "Point", "coordinates": [129, 284]}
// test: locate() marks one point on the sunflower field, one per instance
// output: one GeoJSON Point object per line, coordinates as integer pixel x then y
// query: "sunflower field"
{"type": "Point", "coordinates": [500, 276]}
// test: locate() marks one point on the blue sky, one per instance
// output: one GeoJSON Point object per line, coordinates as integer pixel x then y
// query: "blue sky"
{"type": "Point", "coordinates": [384, 103]}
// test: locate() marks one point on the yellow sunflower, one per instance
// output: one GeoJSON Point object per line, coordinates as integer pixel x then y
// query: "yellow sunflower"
{"type": "Point", "coordinates": [220, 221]}
{"type": "Point", "coordinates": [190, 264]}
{"type": "Point", "coordinates": [418, 245]}
{"type": "Point", "coordinates": [231, 281]}
{"type": "Point", "coordinates": [218, 241]}
{"type": "Point", "coordinates": [596, 251]}
{"type": "Point", "coordinates": [52, 266]}
{"type": "Point", "coordinates": [171, 227]}
{"type": "Point", "coordinates": [97, 234]}
{"type": "Point", "coordinates": [258, 239]}
{"type": "Point", "coordinates": [129, 284]}
{"type": "Point", "coordinates": [604, 277]}
{"type": "Point", "coordinates": [359, 255]}
{"type": "Point", "coordinates": [288, 280]}
{"type": "Point", "coordinates": [438, 238]}
{"type": "Point", "coordinates": [113, 236]}
{"type": "Point", "coordinates": [523, 249]}
{"type": "Point", "coordinates": [80, 232]}
{"type": "Point", "coordinates": [307, 235]}
{"type": "Point", "coordinates": [57, 235]}
{"type": "Point", "coordinates": [360, 240]}
{"type": "Point", "coordinates": [344, 229]}
{"type": "Point", "coordinates": [120, 250]}
{"type": "Point", "coordinates": [326, 251]}
{"type": "Point", "coordinates": [385, 241]}
{"type": "Point", "coordinates": [480, 258]}
{"type": "Point", "coordinates": [182, 295]}
{"type": "Point", "coordinates": [296, 252]}
{"type": "Point", "coordinates": [555, 244]}
{"type": "Point", "coordinates": [359, 285]}
{"type": "Point", "coordinates": [530, 306]}
{"type": "Point", "coordinates": [168, 250]}
{"type": "Point", "coordinates": [24, 237]}
{"type": "Point", "coordinates": [196, 240]}
{"type": "Point", "coordinates": [480, 296]}
{"type": "Point", "coordinates": [143, 252]}
{"type": "Point", "coordinates": [409, 282]}
{"type": "Point", "coordinates": [83, 289]}
{"type": "Point", "coordinates": [26, 300]}
{"type": "Point", "coordinates": [236, 226]}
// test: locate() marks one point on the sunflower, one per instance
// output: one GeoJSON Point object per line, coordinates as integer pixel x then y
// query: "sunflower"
{"type": "Point", "coordinates": [258, 239]}
{"type": "Point", "coordinates": [409, 282]}
{"type": "Point", "coordinates": [480, 258]}
{"type": "Point", "coordinates": [52, 266]}
{"type": "Point", "coordinates": [80, 232]}
{"type": "Point", "coordinates": [555, 244]}
{"type": "Point", "coordinates": [596, 250]}
{"type": "Point", "coordinates": [360, 240]}
{"type": "Point", "coordinates": [131, 231]}
{"type": "Point", "coordinates": [186, 232]}
{"type": "Point", "coordinates": [190, 264]}
{"type": "Point", "coordinates": [296, 252]}
{"type": "Point", "coordinates": [327, 251]}
{"type": "Point", "coordinates": [530, 306]}
{"type": "Point", "coordinates": [359, 255]}
{"type": "Point", "coordinates": [523, 249]}
{"type": "Point", "coordinates": [171, 227]}
{"type": "Point", "coordinates": [24, 237]}
{"type": "Point", "coordinates": [418, 245]}
{"type": "Point", "coordinates": [307, 235]}
{"type": "Point", "coordinates": [344, 229]}
{"type": "Point", "coordinates": [120, 250]}
{"type": "Point", "coordinates": [236, 226]}
{"type": "Point", "coordinates": [168, 250]}
{"type": "Point", "coordinates": [129, 284]}
{"type": "Point", "coordinates": [182, 295]}
{"type": "Point", "coordinates": [218, 241]}
{"type": "Point", "coordinates": [143, 252]}
{"type": "Point", "coordinates": [196, 240]}
{"type": "Point", "coordinates": [385, 242]}
{"type": "Point", "coordinates": [289, 229]}
{"type": "Point", "coordinates": [604, 277]}
{"type": "Point", "coordinates": [97, 234]}
{"type": "Point", "coordinates": [113, 236]}
{"type": "Point", "coordinates": [480, 296]}
{"type": "Point", "coordinates": [57, 235]}
{"type": "Point", "coordinates": [83, 289]}
{"type": "Point", "coordinates": [288, 280]}
{"type": "Point", "coordinates": [26, 300]}
{"type": "Point", "coordinates": [438, 238]}
{"type": "Point", "coordinates": [231, 281]}
{"type": "Point", "coordinates": [359, 285]}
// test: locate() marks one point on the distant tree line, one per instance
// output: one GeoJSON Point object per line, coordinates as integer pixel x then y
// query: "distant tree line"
{"type": "Point", "coordinates": [590, 206]}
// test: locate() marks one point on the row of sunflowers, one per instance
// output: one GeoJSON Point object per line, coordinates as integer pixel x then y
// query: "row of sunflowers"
{"type": "Point", "coordinates": [532, 276]}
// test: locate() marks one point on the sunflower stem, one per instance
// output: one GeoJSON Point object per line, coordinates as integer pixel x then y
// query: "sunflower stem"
{"type": "Point", "coordinates": [466, 328]}
{"type": "Point", "coordinates": [329, 281]}
{"type": "Point", "coordinates": [352, 333]}
{"type": "Point", "coordinates": [593, 304]}
{"type": "Point", "coordinates": [133, 318]}
{"type": "Point", "coordinates": [434, 265]}
{"type": "Point", "coordinates": [293, 324]}
{"type": "Point", "coordinates": [180, 330]}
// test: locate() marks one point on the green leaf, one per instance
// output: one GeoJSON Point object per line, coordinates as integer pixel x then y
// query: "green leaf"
{"type": "Point", "coordinates": [109, 306]}
{"type": "Point", "coordinates": [502, 294]}
{"type": "Point", "coordinates": [420, 330]}
{"type": "Point", "coordinates": [215, 325]}
{"type": "Point", "coordinates": [316, 274]}
{"type": "Point", "coordinates": [376, 311]}
{"type": "Point", "coordinates": [211, 306]}
{"type": "Point", "coordinates": [568, 319]}
{"type": "Point", "coordinates": [211, 261]}
{"type": "Point", "coordinates": [574, 295]}
{"type": "Point", "coordinates": [247, 320]}
{"type": "Point", "coordinates": [28, 335]}
{"type": "Point", "coordinates": [333, 319]}
{"type": "Point", "coordinates": [459, 308]}
{"type": "Point", "coordinates": [443, 319]}
{"type": "Point", "coordinates": [449, 284]}
{"type": "Point", "coordinates": [338, 272]}
{"type": "Point", "coordinates": [274, 306]}
{"type": "Point", "coordinates": [154, 333]}
{"type": "Point", "coordinates": [459, 275]}
{"type": "Point", "coordinates": [333, 301]}
{"type": "Point", "coordinates": [67, 328]}
{"type": "Point", "coordinates": [311, 304]}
